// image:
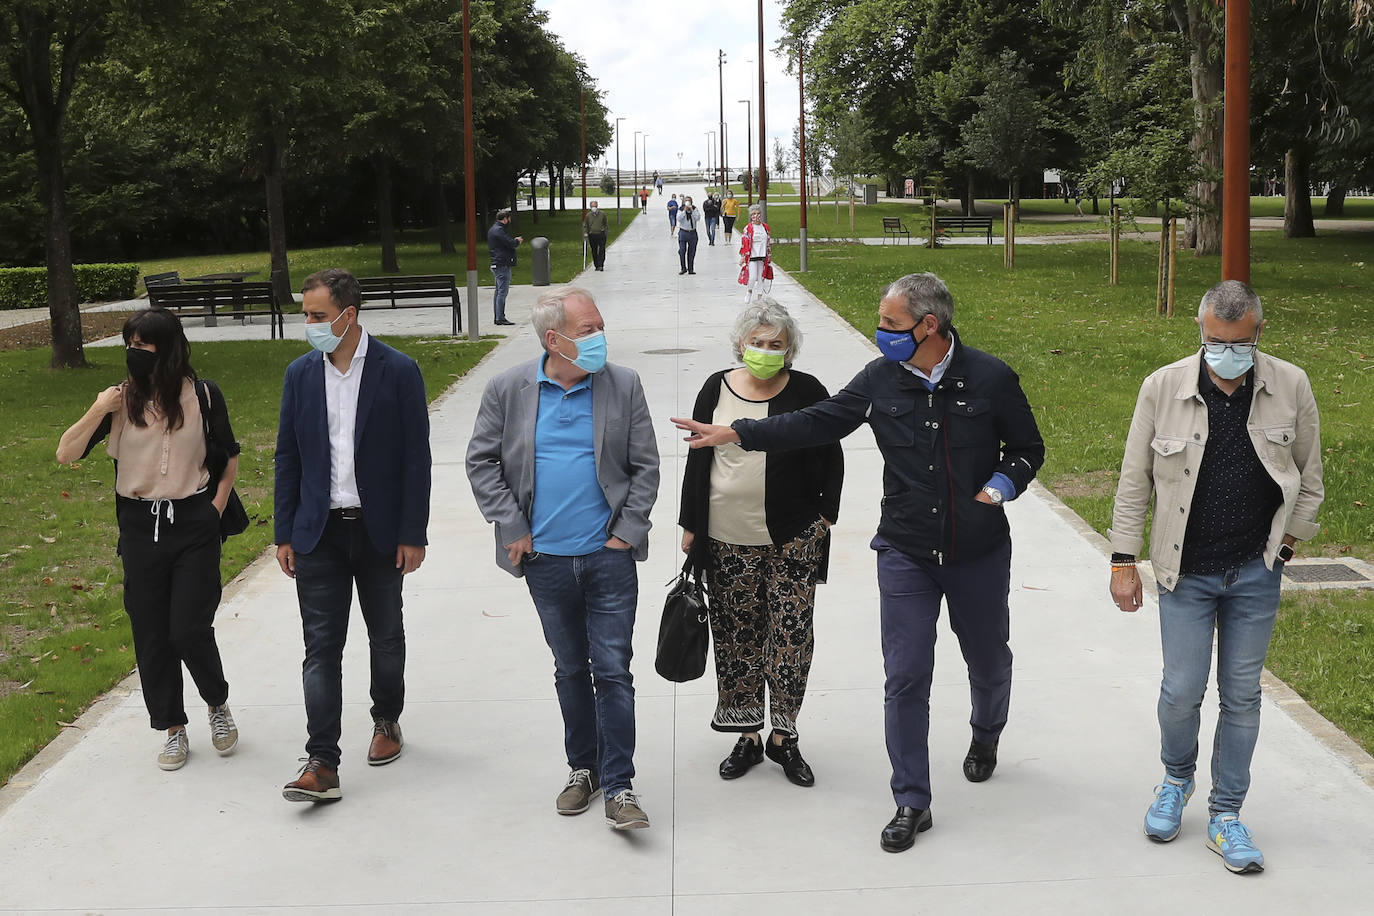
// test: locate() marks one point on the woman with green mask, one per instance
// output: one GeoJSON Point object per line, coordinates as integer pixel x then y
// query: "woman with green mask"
{"type": "Point", "coordinates": [757, 524]}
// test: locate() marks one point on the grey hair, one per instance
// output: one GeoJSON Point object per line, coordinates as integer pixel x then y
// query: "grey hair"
{"type": "Point", "coordinates": [766, 312]}
{"type": "Point", "coordinates": [922, 295]}
{"type": "Point", "coordinates": [550, 311]}
{"type": "Point", "coordinates": [1231, 300]}
{"type": "Point", "coordinates": [755, 208]}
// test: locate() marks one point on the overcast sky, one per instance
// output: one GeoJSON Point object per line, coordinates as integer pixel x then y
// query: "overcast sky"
{"type": "Point", "coordinates": [664, 81]}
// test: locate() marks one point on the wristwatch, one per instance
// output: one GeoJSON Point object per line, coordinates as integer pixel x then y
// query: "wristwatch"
{"type": "Point", "coordinates": [994, 494]}
{"type": "Point", "coordinates": [1285, 552]}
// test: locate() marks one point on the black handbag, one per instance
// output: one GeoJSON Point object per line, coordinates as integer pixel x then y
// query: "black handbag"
{"type": "Point", "coordinates": [234, 519]}
{"type": "Point", "coordinates": [684, 632]}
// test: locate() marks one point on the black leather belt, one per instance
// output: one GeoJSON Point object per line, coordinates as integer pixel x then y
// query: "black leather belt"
{"type": "Point", "coordinates": [349, 514]}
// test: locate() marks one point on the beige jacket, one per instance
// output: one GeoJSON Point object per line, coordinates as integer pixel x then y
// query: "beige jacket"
{"type": "Point", "coordinates": [1164, 451]}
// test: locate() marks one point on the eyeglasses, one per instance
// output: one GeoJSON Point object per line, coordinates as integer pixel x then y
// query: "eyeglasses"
{"type": "Point", "coordinates": [1240, 348]}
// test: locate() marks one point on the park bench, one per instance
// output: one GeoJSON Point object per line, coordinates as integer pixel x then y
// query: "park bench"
{"type": "Point", "coordinates": [401, 292]}
{"type": "Point", "coordinates": [893, 228]}
{"type": "Point", "coordinates": [171, 277]}
{"type": "Point", "coordinates": [211, 300]}
{"type": "Point", "coordinates": [965, 223]}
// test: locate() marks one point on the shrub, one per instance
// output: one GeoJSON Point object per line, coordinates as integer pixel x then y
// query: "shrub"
{"type": "Point", "coordinates": [27, 287]}
{"type": "Point", "coordinates": [607, 185]}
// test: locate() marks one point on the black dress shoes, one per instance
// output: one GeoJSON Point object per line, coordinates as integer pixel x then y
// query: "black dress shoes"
{"type": "Point", "coordinates": [981, 761]}
{"type": "Point", "coordinates": [746, 755]}
{"type": "Point", "coordinates": [900, 833]}
{"type": "Point", "coordinates": [787, 756]}
{"type": "Point", "coordinates": [503, 322]}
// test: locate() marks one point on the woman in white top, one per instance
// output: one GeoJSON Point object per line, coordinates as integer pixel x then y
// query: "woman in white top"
{"type": "Point", "coordinates": [168, 500]}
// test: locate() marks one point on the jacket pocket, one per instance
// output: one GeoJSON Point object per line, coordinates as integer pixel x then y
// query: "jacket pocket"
{"type": "Point", "coordinates": [1279, 445]}
{"type": "Point", "coordinates": [893, 421]}
{"type": "Point", "coordinates": [1171, 459]}
{"type": "Point", "coordinates": [971, 424]}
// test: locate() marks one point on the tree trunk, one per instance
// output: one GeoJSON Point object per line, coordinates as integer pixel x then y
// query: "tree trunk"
{"type": "Point", "coordinates": [64, 311]}
{"type": "Point", "coordinates": [553, 186]}
{"type": "Point", "coordinates": [446, 245]}
{"type": "Point", "coordinates": [386, 225]}
{"type": "Point", "coordinates": [1297, 204]}
{"type": "Point", "coordinates": [562, 190]}
{"type": "Point", "coordinates": [534, 197]}
{"type": "Point", "coordinates": [1335, 201]}
{"type": "Point", "coordinates": [1205, 67]}
{"type": "Point", "coordinates": [1096, 210]}
{"type": "Point", "coordinates": [276, 223]}
{"type": "Point", "coordinates": [969, 196]}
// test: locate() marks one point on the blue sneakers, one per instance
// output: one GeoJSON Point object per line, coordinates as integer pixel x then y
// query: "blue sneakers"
{"type": "Point", "coordinates": [1230, 839]}
{"type": "Point", "coordinates": [1165, 816]}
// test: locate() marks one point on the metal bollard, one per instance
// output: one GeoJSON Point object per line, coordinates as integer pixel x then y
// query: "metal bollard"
{"type": "Point", "coordinates": [539, 261]}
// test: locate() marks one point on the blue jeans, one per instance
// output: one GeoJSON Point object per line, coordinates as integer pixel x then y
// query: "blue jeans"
{"type": "Point", "coordinates": [502, 275]}
{"type": "Point", "coordinates": [324, 586]}
{"type": "Point", "coordinates": [587, 607]}
{"type": "Point", "coordinates": [711, 222]}
{"type": "Point", "coordinates": [1239, 604]}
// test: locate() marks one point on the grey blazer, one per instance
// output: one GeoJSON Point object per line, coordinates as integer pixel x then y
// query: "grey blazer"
{"type": "Point", "coordinates": [500, 459]}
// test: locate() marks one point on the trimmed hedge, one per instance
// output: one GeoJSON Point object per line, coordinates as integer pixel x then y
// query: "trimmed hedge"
{"type": "Point", "coordinates": [27, 287]}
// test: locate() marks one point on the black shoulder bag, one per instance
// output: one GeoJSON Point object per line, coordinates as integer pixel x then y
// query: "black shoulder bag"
{"type": "Point", "coordinates": [684, 633]}
{"type": "Point", "coordinates": [234, 519]}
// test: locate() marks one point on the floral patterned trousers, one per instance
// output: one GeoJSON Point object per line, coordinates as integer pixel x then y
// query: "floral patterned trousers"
{"type": "Point", "coordinates": [762, 601]}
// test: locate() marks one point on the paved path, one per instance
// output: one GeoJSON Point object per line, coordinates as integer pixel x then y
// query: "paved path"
{"type": "Point", "coordinates": [464, 822]}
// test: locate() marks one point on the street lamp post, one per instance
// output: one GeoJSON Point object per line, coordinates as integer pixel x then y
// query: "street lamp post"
{"type": "Point", "coordinates": [644, 148]}
{"type": "Point", "coordinates": [749, 150]}
{"type": "Point", "coordinates": [801, 147]}
{"type": "Point", "coordinates": [710, 146]}
{"type": "Point", "coordinates": [617, 170]}
{"type": "Point", "coordinates": [679, 166]}
{"type": "Point", "coordinates": [469, 179]}
{"type": "Point", "coordinates": [720, 79]}
{"type": "Point", "coordinates": [635, 144]}
{"type": "Point", "coordinates": [763, 136]}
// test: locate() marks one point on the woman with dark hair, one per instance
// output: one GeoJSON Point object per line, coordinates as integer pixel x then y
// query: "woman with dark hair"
{"type": "Point", "coordinates": [168, 502]}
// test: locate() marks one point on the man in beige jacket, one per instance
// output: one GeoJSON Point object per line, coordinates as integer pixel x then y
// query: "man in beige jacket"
{"type": "Point", "coordinates": [1228, 442]}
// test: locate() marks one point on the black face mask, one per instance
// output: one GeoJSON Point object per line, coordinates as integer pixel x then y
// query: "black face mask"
{"type": "Point", "coordinates": [140, 363]}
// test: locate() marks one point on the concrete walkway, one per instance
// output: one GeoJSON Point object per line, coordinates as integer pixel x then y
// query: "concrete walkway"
{"type": "Point", "coordinates": [464, 822]}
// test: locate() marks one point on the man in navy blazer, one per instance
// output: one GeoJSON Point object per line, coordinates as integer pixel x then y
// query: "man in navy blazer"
{"type": "Point", "coordinates": [352, 506]}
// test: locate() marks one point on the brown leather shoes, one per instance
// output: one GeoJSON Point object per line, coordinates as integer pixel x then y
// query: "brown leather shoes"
{"type": "Point", "coordinates": [386, 742]}
{"type": "Point", "coordinates": [315, 783]}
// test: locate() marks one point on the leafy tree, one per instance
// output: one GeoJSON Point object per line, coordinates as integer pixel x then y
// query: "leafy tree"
{"type": "Point", "coordinates": [1005, 135]}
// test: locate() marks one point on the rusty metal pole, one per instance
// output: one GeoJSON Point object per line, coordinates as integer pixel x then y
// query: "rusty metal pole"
{"type": "Point", "coordinates": [1235, 188]}
{"type": "Point", "coordinates": [763, 136]}
{"type": "Point", "coordinates": [469, 178]}
{"type": "Point", "coordinates": [801, 144]}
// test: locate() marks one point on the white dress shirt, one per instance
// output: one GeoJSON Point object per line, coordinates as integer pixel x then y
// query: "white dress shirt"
{"type": "Point", "coordinates": [341, 405]}
{"type": "Point", "coordinates": [937, 371]}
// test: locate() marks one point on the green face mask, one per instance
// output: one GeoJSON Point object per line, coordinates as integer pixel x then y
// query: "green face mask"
{"type": "Point", "coordinates": [763, 364]}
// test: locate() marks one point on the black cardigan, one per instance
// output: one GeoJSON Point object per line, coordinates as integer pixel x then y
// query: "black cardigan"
{"type": "Point", "coordinates": [798, 485]}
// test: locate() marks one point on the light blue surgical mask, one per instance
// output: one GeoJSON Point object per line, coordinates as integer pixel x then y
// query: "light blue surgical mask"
{"type": "Point", "coordinates": [1229, 360]}
{"type": "Point", "coordinates": [591, 351]}
{"type": "Point", "coordinates": [321, 335]}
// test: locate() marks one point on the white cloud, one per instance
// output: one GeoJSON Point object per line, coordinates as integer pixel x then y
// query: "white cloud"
{"type": "Point", "coordinates": [656, 63]}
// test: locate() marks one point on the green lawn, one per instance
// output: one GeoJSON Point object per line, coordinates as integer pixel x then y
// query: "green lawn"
{"type": "Point", "coordinates": [1082, 348]}
{"type": "Point", "coordinates": [65, 638]}
{"type": "Point", "coordinates": [417, 252]}
{"type": "Point", "coordinates": [827, 220]}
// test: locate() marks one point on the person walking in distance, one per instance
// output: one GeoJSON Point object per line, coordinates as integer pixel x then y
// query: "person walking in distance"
{"type": "Point", "coordinates": [729, 210]}
{"type": "Point", "coordinates": [688, 221]}
{"type": "Point", "coordinates": [755, 255]}
{"type": "Point", "coordinates": [595, 226]}
{"type": "Point", "coordinates": [352, 509]}
{"type": "Point", "coordinates": [501, 246]}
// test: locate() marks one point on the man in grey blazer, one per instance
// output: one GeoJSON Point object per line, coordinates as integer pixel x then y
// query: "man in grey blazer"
{"type": "Point", "coordinates": [563, 461]}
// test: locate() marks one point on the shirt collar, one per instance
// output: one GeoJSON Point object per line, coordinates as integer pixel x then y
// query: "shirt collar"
{"type": "Point", "coordinates": [937, 371]}
{"type": "Point", "coordinates": [543, 377]}
{"type": "Point", "coordinates": [358, 354]}
{"type": "Point", "coordinates": [1206, 386]}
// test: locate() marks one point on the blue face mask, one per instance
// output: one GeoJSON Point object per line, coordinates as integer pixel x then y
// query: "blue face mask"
{"type": "Point", "coordinates": [321, 335]}
{"type": "Point", "coordinates": [591, 351]}
{"type": "Point", "coordinates": [1229, 364]}
{"type": "Point", "coordinates": [899, 346]}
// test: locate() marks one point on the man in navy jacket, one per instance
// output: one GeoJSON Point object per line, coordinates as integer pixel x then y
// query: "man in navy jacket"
{"type": "Point", "coordinates": [352, 507]}
{"type": "Point", "coordinates": [502, 247]}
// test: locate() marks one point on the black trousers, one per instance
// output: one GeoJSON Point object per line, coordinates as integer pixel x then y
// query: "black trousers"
{"type": "Point", "coordinates": [170, 550]}
{"type": "Point", "coordinates": [596, 241]}
{"type": "Point", "coordinates": [687, 249]}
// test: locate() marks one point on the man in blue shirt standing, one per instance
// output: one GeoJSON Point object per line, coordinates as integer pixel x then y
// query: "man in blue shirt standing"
{"type": "Point", "coordinates": [563, 460]}
{"type": "Point", "coordinates": [502, 247]}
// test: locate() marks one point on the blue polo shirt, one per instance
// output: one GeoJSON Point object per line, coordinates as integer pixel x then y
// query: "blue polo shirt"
{"type": "Point", "coordinates": [570, 513]}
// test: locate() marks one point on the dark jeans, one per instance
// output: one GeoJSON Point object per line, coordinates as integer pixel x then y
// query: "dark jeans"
{"type": "Point", "coordinates": [910, 590]}
{"type": "Point", "coordinates": [501, 275]}
{"type": "Point", "coordinates": [596, 241]}
{"type": "Point", "coordinates": [711, 229]}
{"type": "Point", "coordinates": [687, 250]}
{"type": "Point", "coordinates": [587, 607]}
{"type": "Point", "coordinates": [324, 587]}
{"type": "Point", "coordinates": [171, 593]}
